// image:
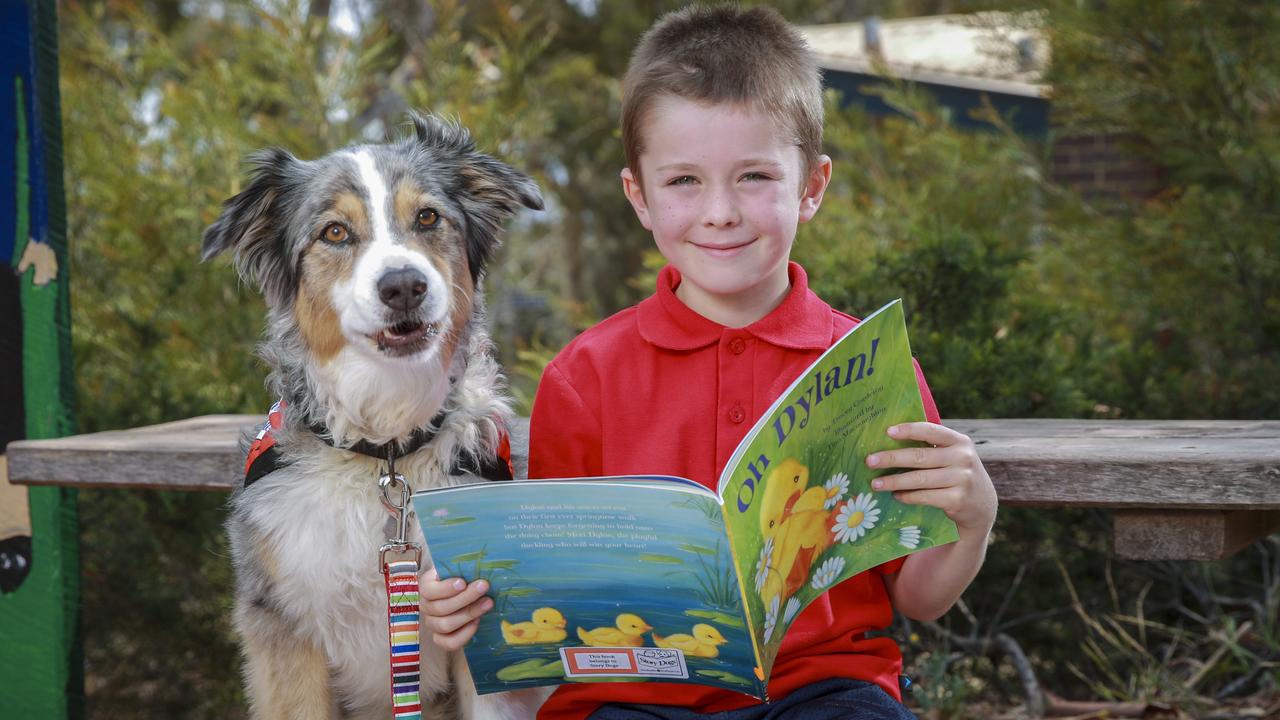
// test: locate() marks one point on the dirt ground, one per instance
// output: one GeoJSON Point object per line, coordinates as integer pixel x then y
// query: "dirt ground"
{"type": "Point", "coordinates": [1264, 706]}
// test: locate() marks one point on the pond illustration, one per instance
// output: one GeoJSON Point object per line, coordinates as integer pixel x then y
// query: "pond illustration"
{"type": "Point", "coordinates": [582, 564]}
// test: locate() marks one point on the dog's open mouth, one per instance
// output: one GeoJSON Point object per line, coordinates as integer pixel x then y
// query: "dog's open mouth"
{"type": "Point", "coordinates": [406, 337]}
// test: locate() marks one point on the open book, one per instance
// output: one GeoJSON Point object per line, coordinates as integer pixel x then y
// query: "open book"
{"type": "Point", "coordinates": [658, 578]}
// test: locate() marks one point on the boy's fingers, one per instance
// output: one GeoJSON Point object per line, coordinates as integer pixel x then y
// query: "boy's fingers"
{"type": "Point", "coordinates": [444, 597]}
{"type": "Point", "coordinates": [458, 638]}
{"type": "Point", "coordinates": [441, 624]}
{"type": "Point", "coordinates": [932, 478]}
{"type": "Point", "coordinates": [913, 457]}
{"type": "Point", "coordinates": [432, 589]}
{"type": "Point", "coordinates": [928, 432]}
{"type": "Point", "coordinates": [946, 499]}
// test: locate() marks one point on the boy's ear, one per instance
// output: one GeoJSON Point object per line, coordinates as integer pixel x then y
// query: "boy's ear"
{"type": "Point", "coordinates": [814, 188]}
{"type": "Point", "coordinates": [635, 194]}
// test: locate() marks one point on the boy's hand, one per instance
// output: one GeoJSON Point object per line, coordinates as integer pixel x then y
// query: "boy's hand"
{"type": "Point", "coordinates": [948, 475]}
{"type": "Point", "coordinates": [451, 609]}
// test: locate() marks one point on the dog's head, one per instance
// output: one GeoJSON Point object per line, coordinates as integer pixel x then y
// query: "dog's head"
{"type": "Point", "coordinates": [376, 248]}
{"type": "Point", "coordinates": [369, 259]}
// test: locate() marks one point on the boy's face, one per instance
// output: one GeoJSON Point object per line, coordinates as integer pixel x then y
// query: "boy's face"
{"type": "Point", "coordinates": [722, 191]}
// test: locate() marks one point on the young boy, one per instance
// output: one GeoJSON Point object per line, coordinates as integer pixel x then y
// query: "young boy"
{"type": "Point", "coordinates": [722, 127]}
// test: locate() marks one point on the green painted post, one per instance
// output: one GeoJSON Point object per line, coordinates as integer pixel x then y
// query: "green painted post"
{"type": "Point", "coordinates": [41, 668]}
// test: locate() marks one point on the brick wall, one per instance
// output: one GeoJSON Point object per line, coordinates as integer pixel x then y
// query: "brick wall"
{"type": "Point", "coordinates": [1104, 165]}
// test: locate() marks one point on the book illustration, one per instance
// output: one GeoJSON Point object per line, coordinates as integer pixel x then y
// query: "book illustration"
{"type": "Point", "coordinates": [704, 641]}
{"type": "Point", "coordinates": [797, 492]}
{"type": "Point", "coordinates": [624, 580]}
{"type": "Point", "coordinates": [643, 578]}
{"type": "Point", "coordinates": [547, 626]}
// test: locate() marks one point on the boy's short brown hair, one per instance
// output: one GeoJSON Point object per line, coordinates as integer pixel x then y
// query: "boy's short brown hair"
{"type": "Point", "coordinates": [725, 54]}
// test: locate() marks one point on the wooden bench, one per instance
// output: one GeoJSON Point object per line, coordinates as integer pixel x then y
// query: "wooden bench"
{"type": "Point", "coordinates": [1177, 489]}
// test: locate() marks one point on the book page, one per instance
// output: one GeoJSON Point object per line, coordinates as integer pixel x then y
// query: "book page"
{"type": "Point", "coordinates": [797, 494]}
{"type": "Point", "coordinates": [612, 579]}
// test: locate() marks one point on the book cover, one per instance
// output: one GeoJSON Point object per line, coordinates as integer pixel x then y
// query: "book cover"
{"type": "Point", "coordinates": [638, 578]}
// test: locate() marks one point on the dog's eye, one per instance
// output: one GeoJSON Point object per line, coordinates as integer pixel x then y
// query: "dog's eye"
{"type": "Point", "coordinates": [334, 233]}
{"type": "Point", "coordinates": [427, 218]}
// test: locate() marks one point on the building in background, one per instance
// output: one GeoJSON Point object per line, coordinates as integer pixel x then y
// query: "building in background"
{"type": "Point", "coordinates": [965, 62]}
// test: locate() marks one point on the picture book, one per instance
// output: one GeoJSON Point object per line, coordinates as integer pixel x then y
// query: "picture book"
{"type": "Point", "coordinates": [653, 578]}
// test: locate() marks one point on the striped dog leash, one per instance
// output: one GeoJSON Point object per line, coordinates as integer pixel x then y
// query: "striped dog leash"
{"type": "Point", "coordinates": [402, 632]}
{"type": "Point", "coordinates": [402, 600]}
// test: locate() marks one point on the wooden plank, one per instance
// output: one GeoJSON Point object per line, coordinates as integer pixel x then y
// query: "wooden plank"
{"type": "Point", "coordinates": [202, 453]}
{"type": "Point", "coordinates": [1189, 534]}
{"type": "Point", "coordinates": [1182, 489]}
{"type": "Point", "coordinates": [1169, 464]}
{"type": "Point", "coordinates": [1191, 464]}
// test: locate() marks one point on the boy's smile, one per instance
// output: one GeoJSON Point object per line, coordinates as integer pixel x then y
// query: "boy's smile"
{"type": "Point", "coordinates": [722, 189]}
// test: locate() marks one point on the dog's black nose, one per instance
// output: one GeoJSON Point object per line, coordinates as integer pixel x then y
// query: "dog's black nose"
{"type": "Point", "coordinates": [402, 289]}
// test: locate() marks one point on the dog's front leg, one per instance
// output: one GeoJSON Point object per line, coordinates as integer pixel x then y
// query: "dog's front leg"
{"type": "Point", "coordinates": [514, 705]}
{"type": "Point", "coordinates": [287, 679]}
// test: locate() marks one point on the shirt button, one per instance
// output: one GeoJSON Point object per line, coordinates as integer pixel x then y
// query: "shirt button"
{"type": "Point", "coordinates": [737, 345]}
{"type": "Point", "coordinates": [737, 414]}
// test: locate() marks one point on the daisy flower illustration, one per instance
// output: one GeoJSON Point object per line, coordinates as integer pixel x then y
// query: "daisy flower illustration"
{"type": "Point", "coordinates": [909, 536]}
{"type": "Point", "coordinates": [440, 512]}
{"type": "Point", "coordinates": [856, 517]}
{"type": "Point", "coordinates": [771, 618]}
{"type": "Point", "coordinates": [836, 487]}
{"type": "Point", "coordinates": [789, 613]}
{"type": "Point", "coordinates": [827, 573]}
{"type": "Point", "coordinates": [764, 564]}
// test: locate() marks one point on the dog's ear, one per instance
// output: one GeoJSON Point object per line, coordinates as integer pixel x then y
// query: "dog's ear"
{"type": "Point", "coordinates": [488, 189]}
{"type": "Point", "coordinates": [252, 223]}
{"type": "Point", "coordinates": [491, 192]}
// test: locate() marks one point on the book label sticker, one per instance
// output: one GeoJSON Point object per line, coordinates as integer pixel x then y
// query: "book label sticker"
{"type": "Point", "coordinates": [623, 662]}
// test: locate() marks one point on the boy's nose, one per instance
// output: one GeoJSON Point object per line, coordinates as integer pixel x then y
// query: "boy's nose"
{"type": "Point", "coordinates": [720, 209]}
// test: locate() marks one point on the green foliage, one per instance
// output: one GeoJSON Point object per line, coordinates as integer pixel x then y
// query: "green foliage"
{"type": "Point", "coordinates": [943, 686]}
{"type": "Point", "coordinates": [157, 335]}
{"type": "Point", "coordinates": [950, 222]}
{"type": "Point", "coordinates": [157, 611]}
{"type": "Point", "coordinates": [1190, 320]}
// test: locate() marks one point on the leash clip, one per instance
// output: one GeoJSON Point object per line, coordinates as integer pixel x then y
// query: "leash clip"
{"type": "Point", "coordinates": [395, 493]}
{"type": "Point", "coordinates": [402, 548]}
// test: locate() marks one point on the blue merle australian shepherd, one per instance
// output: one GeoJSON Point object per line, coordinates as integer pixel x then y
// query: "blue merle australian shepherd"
{"type": "Point", "coordinates": [370, 259]}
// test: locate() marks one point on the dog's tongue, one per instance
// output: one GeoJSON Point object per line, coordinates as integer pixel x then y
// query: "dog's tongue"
{"type": "Point", "coordinates": [403, 329]}
{"type": "Point", "coordinates": [405, 334]}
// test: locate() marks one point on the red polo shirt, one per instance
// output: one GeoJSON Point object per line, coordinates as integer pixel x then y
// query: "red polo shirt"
{"type": "Point", "coordinates": [659, 389]}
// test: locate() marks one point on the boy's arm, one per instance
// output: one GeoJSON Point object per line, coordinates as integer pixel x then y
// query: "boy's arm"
{"type": "Point", "coordinates": [949, 476]}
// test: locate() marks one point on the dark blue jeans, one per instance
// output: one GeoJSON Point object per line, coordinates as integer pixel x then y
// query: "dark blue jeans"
{"type": "Point", "coordinates": [834, 699]}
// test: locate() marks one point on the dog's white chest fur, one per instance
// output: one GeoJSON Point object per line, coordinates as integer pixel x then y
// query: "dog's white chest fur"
{"type": "Point", "coordinates": [324, 529]}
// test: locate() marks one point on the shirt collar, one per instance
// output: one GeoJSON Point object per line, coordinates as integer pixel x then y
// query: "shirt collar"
{"type": "Point", "coordinates": [802, 321]}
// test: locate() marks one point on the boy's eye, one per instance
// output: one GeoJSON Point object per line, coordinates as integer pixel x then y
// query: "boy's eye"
{"type": "Point", "coordinates": [756, 176]}
{"type": "Point", "coordinates": [682, 180]}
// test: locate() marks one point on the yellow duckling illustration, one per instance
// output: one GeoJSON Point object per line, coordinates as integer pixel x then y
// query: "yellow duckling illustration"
{"type": "Point", "coordinates": [704, 642]}
{"type": "Point", "coordinates": [792, 514]}
{"type": "Point", "coordinates": [628, 632]}
{"type": "Point", "coordinates": [547, 626]}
